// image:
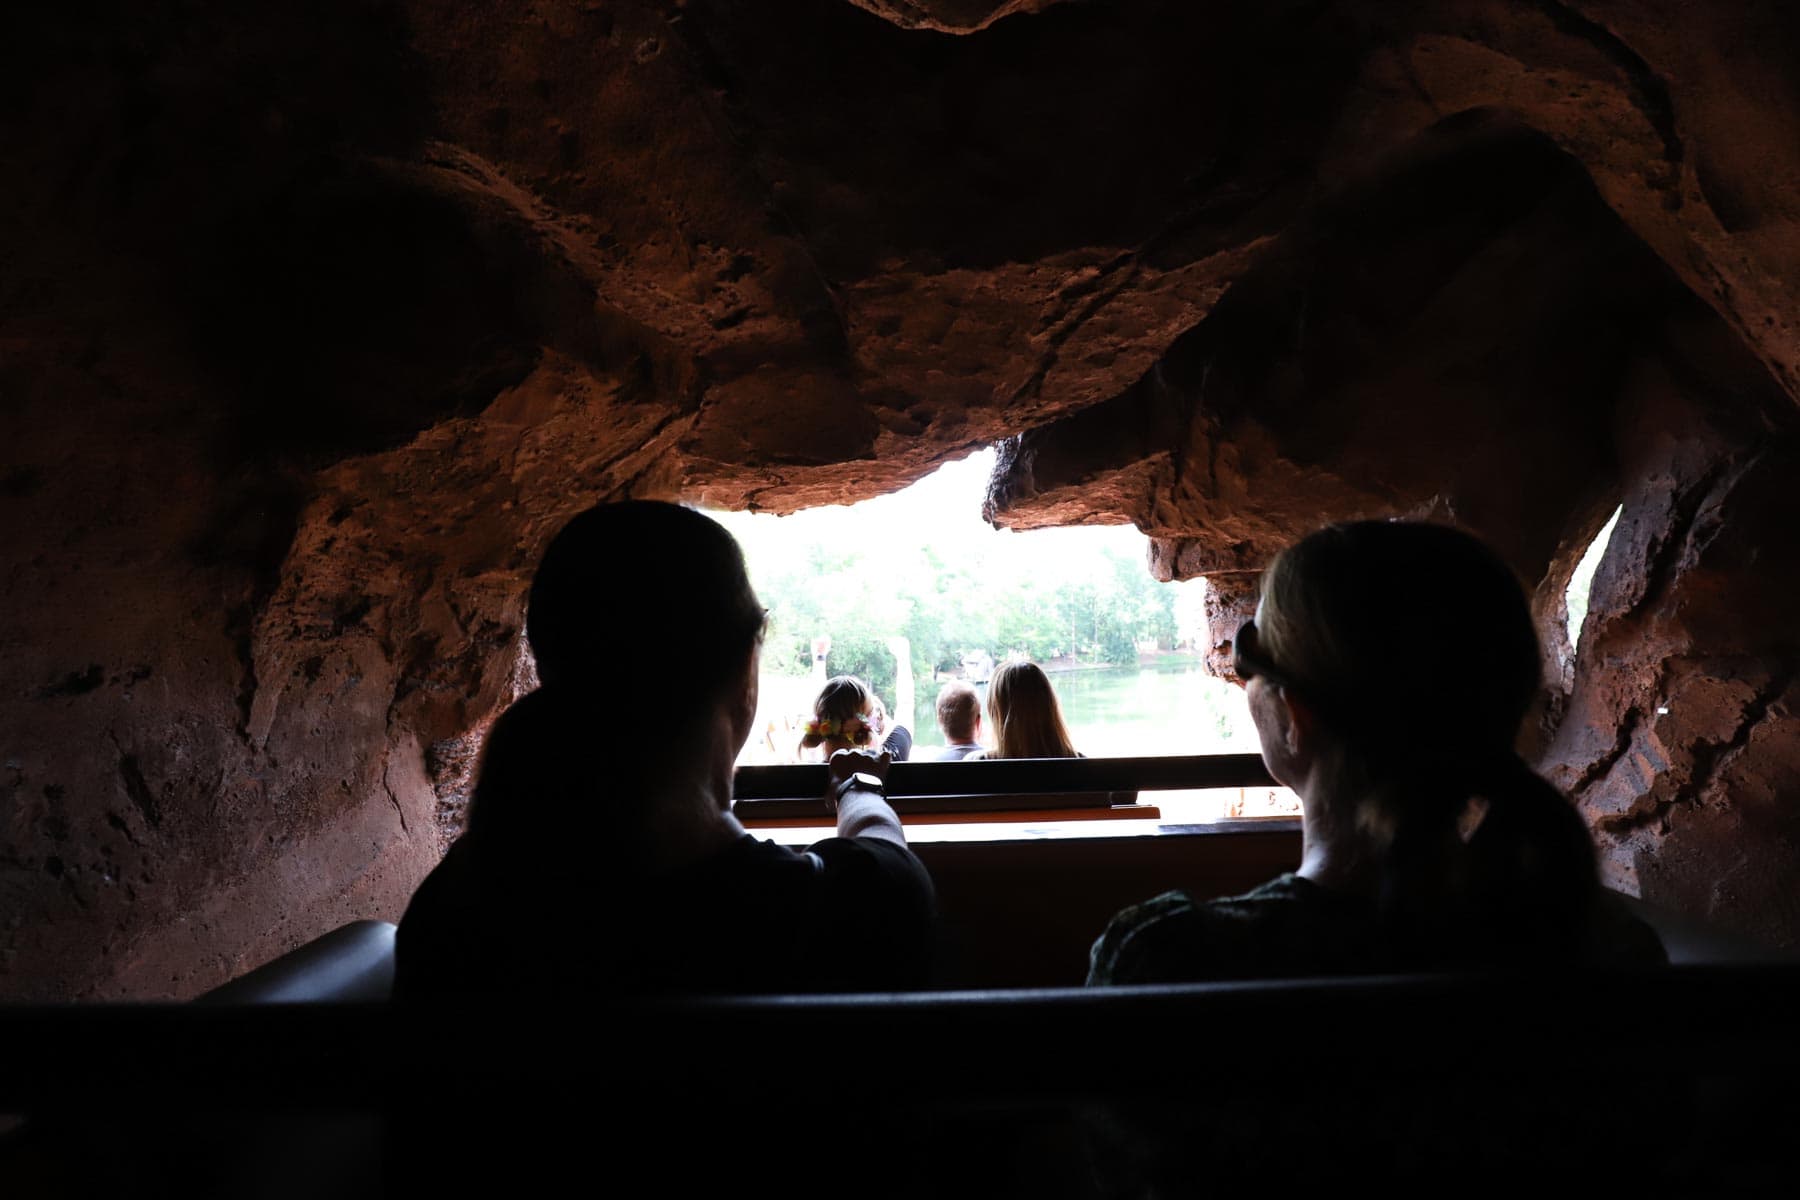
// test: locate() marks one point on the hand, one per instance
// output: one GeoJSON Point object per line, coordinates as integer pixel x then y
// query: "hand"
{"type": "Point", "coordinates": [846, 763]}
{"type": "Point", "coordinates": [900, 648]}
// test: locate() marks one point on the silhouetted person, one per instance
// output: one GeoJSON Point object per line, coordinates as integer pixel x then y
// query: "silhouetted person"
{"type": "Point", "coordinates": [848, 715]}
{"type": "Point", "coordinates": [959, 716]}
{"type": "Point", "coordinates": [1388, 669]}
{"type": "Point", "coordinates": [1024, 716]}
{"type": "Point", "coordinates": [601, 855]}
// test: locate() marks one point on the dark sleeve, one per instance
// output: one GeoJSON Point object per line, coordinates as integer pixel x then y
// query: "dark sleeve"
{"type": "Point", "coordinates": [877, 925]}
{"type": "Point", "coordinates": [899, 743]}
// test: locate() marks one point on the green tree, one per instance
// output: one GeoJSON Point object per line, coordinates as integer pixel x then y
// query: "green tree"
{"type": "Point", "coordinates": [865, 657]}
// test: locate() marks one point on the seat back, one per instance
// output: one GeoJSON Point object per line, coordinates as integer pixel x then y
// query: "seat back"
{"type": "Point", "coordinates": [352, 964]}
{"type": "Point", "coordinates": [1691, 941]}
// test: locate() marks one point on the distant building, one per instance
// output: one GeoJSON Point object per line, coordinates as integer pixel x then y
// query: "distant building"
{"type": "Point", "coordinates": [978, 666]}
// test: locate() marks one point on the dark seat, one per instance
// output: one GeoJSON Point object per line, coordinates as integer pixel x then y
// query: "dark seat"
{"type": "Point", "coordinates": [995, 1092]}
{"type": "Point", "coordinates": [1417, 1079]}
{"type": "Point", "coordinates": [1692, 941]}
{"type": "Point", "coordinates": [238, 1127]}
{"type": "Point", "coordinates": [355, 963]}
{"type": "Point", "coordinates": [351, 964]}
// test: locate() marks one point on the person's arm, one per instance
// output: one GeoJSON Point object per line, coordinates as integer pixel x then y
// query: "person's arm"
{"type": "Point", "coordinates": [899, 743]}
{"type": "Point", "coordinates": [863, 811]}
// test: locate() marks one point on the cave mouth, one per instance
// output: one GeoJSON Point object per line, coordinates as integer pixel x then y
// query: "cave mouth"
{"type": "Point", "coordinates": [913, 589]}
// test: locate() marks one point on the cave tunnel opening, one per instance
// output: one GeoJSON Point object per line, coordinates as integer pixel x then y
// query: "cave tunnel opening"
{"type": "Point", "coordinates": [912, 590]}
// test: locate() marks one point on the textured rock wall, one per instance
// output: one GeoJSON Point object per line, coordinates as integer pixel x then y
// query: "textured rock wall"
{"type": "Point", "coordinates": [1469, 334]}
{"type": "Point", "coordinates": [1678, 740]}
{"type": "Point", "coordinates": [316, 319]}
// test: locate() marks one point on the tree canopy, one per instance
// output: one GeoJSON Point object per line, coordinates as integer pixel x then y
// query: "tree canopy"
{"type": "Point", "coordinates": [1084, 594]}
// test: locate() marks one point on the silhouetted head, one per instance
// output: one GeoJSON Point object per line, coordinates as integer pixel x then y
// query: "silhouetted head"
{"type": "Point", "coordinates": [646, 633]}
{"type": "Point", "coordinates": [1026, 719]}
{"type": "Point", "coordinates": [1402, 639]}
{"type": "Point", "coordinates": [648, 599]}
{"type": "Point", "coordinates": [959, 712]}
{"type": "Point", "coordinates": [844, 717]}
{"type": "Point", "coordinates": [1388, 669]}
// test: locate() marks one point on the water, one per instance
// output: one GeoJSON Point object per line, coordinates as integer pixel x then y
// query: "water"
{"type": "Point", "coordinates": [1171, 708]}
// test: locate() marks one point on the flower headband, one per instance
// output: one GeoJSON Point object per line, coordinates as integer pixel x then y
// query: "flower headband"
{"type": "Point", "coordinates": [825, 727]}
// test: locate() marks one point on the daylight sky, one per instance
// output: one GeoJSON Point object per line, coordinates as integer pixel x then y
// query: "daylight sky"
{"type": "Point", "coordinates": [942, 510]}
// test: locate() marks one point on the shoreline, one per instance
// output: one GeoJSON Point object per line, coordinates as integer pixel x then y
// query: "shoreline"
{"type": "Point", "coordinates": [1073, 666]}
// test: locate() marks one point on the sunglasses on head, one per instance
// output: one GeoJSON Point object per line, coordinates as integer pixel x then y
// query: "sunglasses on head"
{"type": "Point", "coordinates": [1248, 660]}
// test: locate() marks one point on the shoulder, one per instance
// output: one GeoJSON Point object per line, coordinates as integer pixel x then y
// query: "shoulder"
{"type": "Point", "coordinates": [747, 876]}
{"type": "Point", "coordinates": [750, 857]}
{"type": "Point", "coordinates": [871, 912]}
{"type": "Point", "coordinates": [1140, 940]}
{"type": "Point", "coordinates": [436, 949]}
{"type": "Point", "coordinates": [1618, 937]}
{"type": "Point", "coordinates": [447, 888]}
{"type": "Point", "coordinates": [864, 862]}
{"type": "Point", "coordinates": [1174, 938]}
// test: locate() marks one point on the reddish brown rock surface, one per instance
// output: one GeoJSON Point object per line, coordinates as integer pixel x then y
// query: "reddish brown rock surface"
{"type": "Point", "coordinates": [316, 320]}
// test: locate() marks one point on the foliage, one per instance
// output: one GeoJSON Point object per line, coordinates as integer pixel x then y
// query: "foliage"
{"type": "Point", "coordinates": [1095, 608]}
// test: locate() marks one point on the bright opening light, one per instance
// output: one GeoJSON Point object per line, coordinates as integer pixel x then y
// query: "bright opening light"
{"type": "Point", "coordinates": [1576, 598]}
{"type": "Point", "coordinates": [914, 588]}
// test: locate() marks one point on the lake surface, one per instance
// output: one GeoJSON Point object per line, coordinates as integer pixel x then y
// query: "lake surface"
{"type": "Point", "coordinates": [1169, 708]}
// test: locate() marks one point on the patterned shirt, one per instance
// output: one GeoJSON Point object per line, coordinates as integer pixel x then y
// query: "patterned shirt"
{"type": "Point", "coordinates": [1290, 927]}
